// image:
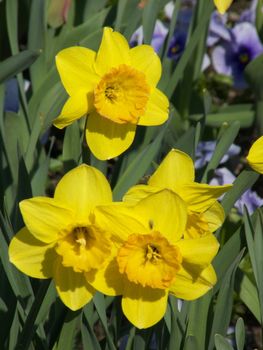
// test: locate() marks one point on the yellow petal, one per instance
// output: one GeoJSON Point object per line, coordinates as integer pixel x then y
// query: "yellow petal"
{"type": "Point", "coordinates": [164, 212]}
{"type": "Point", "coordinates": [176, 169]}
{"type": "Point", "coordinates": [114, 50]}
{"type": "Point", "coordinates": [32, 257]}
{"type": "Point", "coordinates": [222, 5]}
{"type": "Point", "coordinates": [81, 189]}
{"type": "Point", "coordinates": [143, 306]}
{"type": "Point", "coordinates": [107, 139]}
{"type": "Point", "coordinates": [146, 60]}
{"type": "Point", "coordinates": [76, 69]}
{"type": "Point", "coordinates": [107, 279]}
{"type": "Point", "coordinates": [119, 220]}
{"type": "Point", "coordinates": [198, 253]}
{"type": "Point", "coordinates": [200, 197]}
{"type": "Point", "coordinates": [75, 107]}
{"type": "Point", "coordinates": [138, 192]}
{"type": "Point", "coordinates": [45, 218]}
{"type": "Point", "coordinates": [156, 112]}
{"type": "Point", "coordinates": [214, 216]}
{"type": "Point", "coordinates": [189, 287]}
{"type": "Point", "coordinates": [72, 287]}
{"type": "Point", "coordinates": [255, 155]}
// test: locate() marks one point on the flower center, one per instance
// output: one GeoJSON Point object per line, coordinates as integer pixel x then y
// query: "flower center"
{"type": "Point", "coordinates": [149, 260]}
{"type": "Point", "coordinates": [122, 95]}
{"type": "Point", "coordinates": [152, 254]}
{"type": "Point", "coordinates": [244, 58]}
{"type": "Point", "coordinates": [83, 248]}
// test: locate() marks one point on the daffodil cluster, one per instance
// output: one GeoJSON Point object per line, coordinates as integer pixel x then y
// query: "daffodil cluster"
{"type": "Point", "coordinates": [157, 241]}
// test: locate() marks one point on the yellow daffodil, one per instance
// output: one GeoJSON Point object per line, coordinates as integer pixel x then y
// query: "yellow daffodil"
{"type": "Point", "coordinates": [222, 5]}
{"type": "Point", "coordinates": [60, 240]}
{"type": "Point", "coordinates": [255, 155]}
{"type": "Point", "coordinates": [115, 87]}
{"type": "Point", "coordinates": [176, 172]}
{"type": "Point", "coordinates": [150, 259]}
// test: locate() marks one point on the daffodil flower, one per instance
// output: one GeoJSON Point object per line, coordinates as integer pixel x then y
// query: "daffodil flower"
{"type": "Point", "coordinates": [176, 172]}
{"type": "Point", "coordinates": [222, 5]}
{"type": "Point", "coordinates": [60, 239]}
{"type": "Point", "coordinates": [115, 87]}
{"type": "Point", "coordinates": [150, 259]}
{"type": "Point", "coordinates": [255, 155]}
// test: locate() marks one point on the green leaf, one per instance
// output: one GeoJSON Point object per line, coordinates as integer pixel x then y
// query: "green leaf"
{"type": "Point", "coordinates": [224, 303]}
{"type": "Point", "coordinates": [17, 63]}
{"type": "Point", "coordinates": [74, 35]}
{"type": "Point", "coordinates": [99, 302]}
{"type": "Point", "coordinates": [14, 331]}
{"type": "Point", "coordinates": [254, 74]}
{"type": "Point", "coordinates": [128, 17]}
{"type": "Point", "coordinates": [14, 140]}
{"type": "Point", "coordinates": [150, 13]}
{"type": "Point", "coordinates": [71, 147]}
{"type": "Point", "coordinates": [259, 19]}
{"type": "Point", "coordinates": [221, 343]}
{"type": "Point", "coordinates": [240, 334]}
{"type": "Point", "coordinates": [137, 168]}
{"type": "Point", "coordinates": [92, 7]}
{"type": "Point", "coordinates": [36, 41]}
{"type": "Point", "coordinates": [19, 282]}
{"type": "Point", "coordinates": [129, 345]}
{"type": "Point", "coordinates": [12, 24]}
{"type": "Point", "coordinates": [89, 339]}
{"type": "Point", "coordinates": [68, 332]}
{"type": "Point", "coordinates": [242, 183]}
{"type": "Point", "coordinates": [245, 118]}
{"type": "Point", "coordinates": [255, 248]}
{"type": "Point", "coordinates": [176, 324]}
{"type": "Point", "coordinates": [221, 149]}
{"type": "Point", "coordinates": [258, 249]}
{"type": "Point", "coordinates": [197, 326]}
{"type": "Point", "coordinates": [43, 300]}
{"type": "Point", "coordinates": [191, 45]}
{"type": "Point", "coordinates": [249, 296]}
{"type": "Point", "coordinates": [186, 142]}
{"type": "Point", "coordinates": [190, 343]}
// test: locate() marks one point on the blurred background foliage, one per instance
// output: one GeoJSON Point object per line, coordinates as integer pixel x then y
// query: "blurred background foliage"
{"type": "Point", "coordinates": [34, 155]}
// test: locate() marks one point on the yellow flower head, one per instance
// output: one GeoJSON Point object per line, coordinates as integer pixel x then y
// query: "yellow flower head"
{"type": "Point", "coordinates": [115, 87]}
{"type": "Point", "coordinates": [222, 5]}
{"type": "Point", "coordinates": [150, 258]}
{"type": "Point", "coordinates": [176, 172]}
{"type": "Point", "coordinates": [255, 155]}
{"type": "Point", "coordinates": [60, 240]}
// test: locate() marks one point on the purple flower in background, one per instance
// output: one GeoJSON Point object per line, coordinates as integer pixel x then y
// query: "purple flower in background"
{"type": "Point", "coordinates": [159, 35]}
{"type": "Point", "coordinates": [177, 45]}
{"type": "Point", "coordinates": [11, 102]}
{"type": "Point", "coordinates": [249, 198]}
{"type": "Point", "coordinates": [249, 15]}
{"type": "Point", "coordinates": [217, 29]}
{"type": "Point", "coordinates": [178, 41]}
{"type": "Point", "coordinates": [231, 57]}
{"type": "Point", "coordinates": [205, 150]}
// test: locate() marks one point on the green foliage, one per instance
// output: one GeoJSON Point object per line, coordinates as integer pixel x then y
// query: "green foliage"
{"type": "Point", "coordinates": [31, 316]}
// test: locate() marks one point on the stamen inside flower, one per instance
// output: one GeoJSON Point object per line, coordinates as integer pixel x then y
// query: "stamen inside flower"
{"type": "Point", "coordinates": [149, 260]}
{"type": "Point", "coordinates": [83, 248]}
{"type": "Point", "coordinates": [122, 95]}
{"type": "Point", "coordinates": [244, 58]}
{"type": "Point", "coordinates": [175, 48]}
